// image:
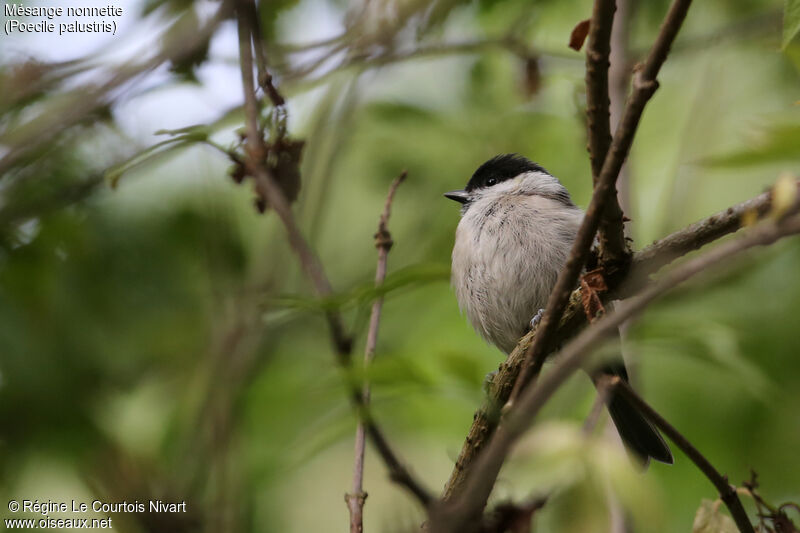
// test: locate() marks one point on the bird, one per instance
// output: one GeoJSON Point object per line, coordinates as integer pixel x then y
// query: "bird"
{"type": "Point", "coordinates": [517, 227]}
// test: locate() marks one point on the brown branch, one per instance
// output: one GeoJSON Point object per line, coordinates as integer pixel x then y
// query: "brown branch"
{"type": "Point", "coordinates": [598, 115]}
{"type": "Point", "coordinates": [267, 188]}
{"type": "Point", "coordinates": [255, 146]}
{"type": "Point", "coordinates": [397, 470]}
{"type": "Point", "coordinates": [611, 236]}
{"type": "Point", "coordinates": [645, 263]}
{"type": "Point", "coordinates": [726, 491]}
{"type": "Point", "coordinates": [644, 85]}
{"type": "Point", "coordinates": [383, 242]}
{"type": "Point", "coordinates": [487, 416]}
{"type": "Point", "coordinates": [702, 232]}
{"type": "Point", "coordinates": [309, 262]}
{"type": "Point", "coordinates": [264, 76]}
{"type": "Point", "coordinates": [466, 508]}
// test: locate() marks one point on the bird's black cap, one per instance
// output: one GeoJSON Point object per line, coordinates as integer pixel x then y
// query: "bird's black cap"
{"type": "Point", "coordinates": [501, 168]}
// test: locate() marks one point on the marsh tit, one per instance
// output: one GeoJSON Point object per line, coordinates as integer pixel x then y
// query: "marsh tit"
{"type": "Point", "coordinates": [517, 227]}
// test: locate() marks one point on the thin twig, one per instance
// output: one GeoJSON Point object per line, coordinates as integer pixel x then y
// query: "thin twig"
{"type": "Point", "coordinates": [264, 76]}
{"type": "Point", "coordinates": [268, 189]}
{"type": "Point", "coordinates": [312, 267]}
{"type": "Point", "coordinates": [467, 507]}
{"type": "Point", "coordinates": [598, 50]}
{"type": "Point", "coordinates": [644, 86]}
{"type": "Point", "coordinates": [397, 470]}
{"type": "Point", "coordinates": [726, 491]}
{"type": "Point", "coordinates": [611, 236]}
{"type": "Point", "coordinates": [700, 233]}
{"type": "Point", "coordinates": [383, 242]}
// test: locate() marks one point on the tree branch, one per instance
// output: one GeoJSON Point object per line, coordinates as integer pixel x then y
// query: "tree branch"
{"type": "Point", "coordinates": [397, 471]}
{"type": "Point", "coordinates": [383, 242]}
{"type": "Point", "coordinates": [611, 236]}
{"type": "Point", "coordinates": [644, 85]}
{"type": "Point", "coordinates": [726, 491]}
{"type": "Point", "coordinates": [264, 77]}
{"type": "Point", "coordinates": [465, 509]}
{"type": "Point", "coordinates": [598, 50]}
{"type": "Point", "coordinates": [312, 267]}
{"type": "Point", "coordinates": [267, 188]}
{"type": "Point", "coordinates": [702, 232]}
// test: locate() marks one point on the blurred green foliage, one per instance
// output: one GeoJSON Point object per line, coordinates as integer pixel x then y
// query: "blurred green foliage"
{"type": "Point", "coordinates": [159, 340]}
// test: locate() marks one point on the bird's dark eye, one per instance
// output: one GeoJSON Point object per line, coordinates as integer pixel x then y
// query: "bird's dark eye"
{"type": "Point", "coordinates": [491, 181]}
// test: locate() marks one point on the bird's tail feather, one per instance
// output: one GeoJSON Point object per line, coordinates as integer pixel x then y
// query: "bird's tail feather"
{"type": "Point", "coordinates": [638, 434]}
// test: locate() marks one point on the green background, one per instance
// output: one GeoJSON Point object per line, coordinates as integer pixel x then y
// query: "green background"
{"type": "Point", "coordinates": [157, 340]}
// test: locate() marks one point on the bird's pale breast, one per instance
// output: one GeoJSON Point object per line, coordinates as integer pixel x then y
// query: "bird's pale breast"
{"type": "Point", "coordinates": [506, 258]}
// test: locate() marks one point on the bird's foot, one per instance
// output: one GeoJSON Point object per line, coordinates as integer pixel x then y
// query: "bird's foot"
{"type": "Point", "coordinates": [537, 318]}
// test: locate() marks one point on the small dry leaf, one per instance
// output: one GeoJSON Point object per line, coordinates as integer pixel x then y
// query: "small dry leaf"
{"type": "Point", "coordinates": [784, 194]}
{"type": "Point", "coordinates": [708, 519]}
{"type": "Point", "coordinates": [592, 284]}
{"type": "Point", "coordinates": [286, 169]}
{"type": "Point", "coordinates": [578, 35]}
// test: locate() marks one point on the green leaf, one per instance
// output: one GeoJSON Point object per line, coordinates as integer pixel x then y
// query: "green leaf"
{"type": "Point", "coordinates": [200, 131]}
{"type": "Point", "coordinates": [367, 292]}
{"type": "Point", "coordinates": [708, 519]}
{"type": "Point", "coordinates": [791, 21]}
{"type": "Point", "coordinates": [114, 174]}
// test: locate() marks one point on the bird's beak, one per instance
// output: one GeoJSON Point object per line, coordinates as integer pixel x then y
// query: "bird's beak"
{"type": "Point", "coordinates": [461, 197]}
